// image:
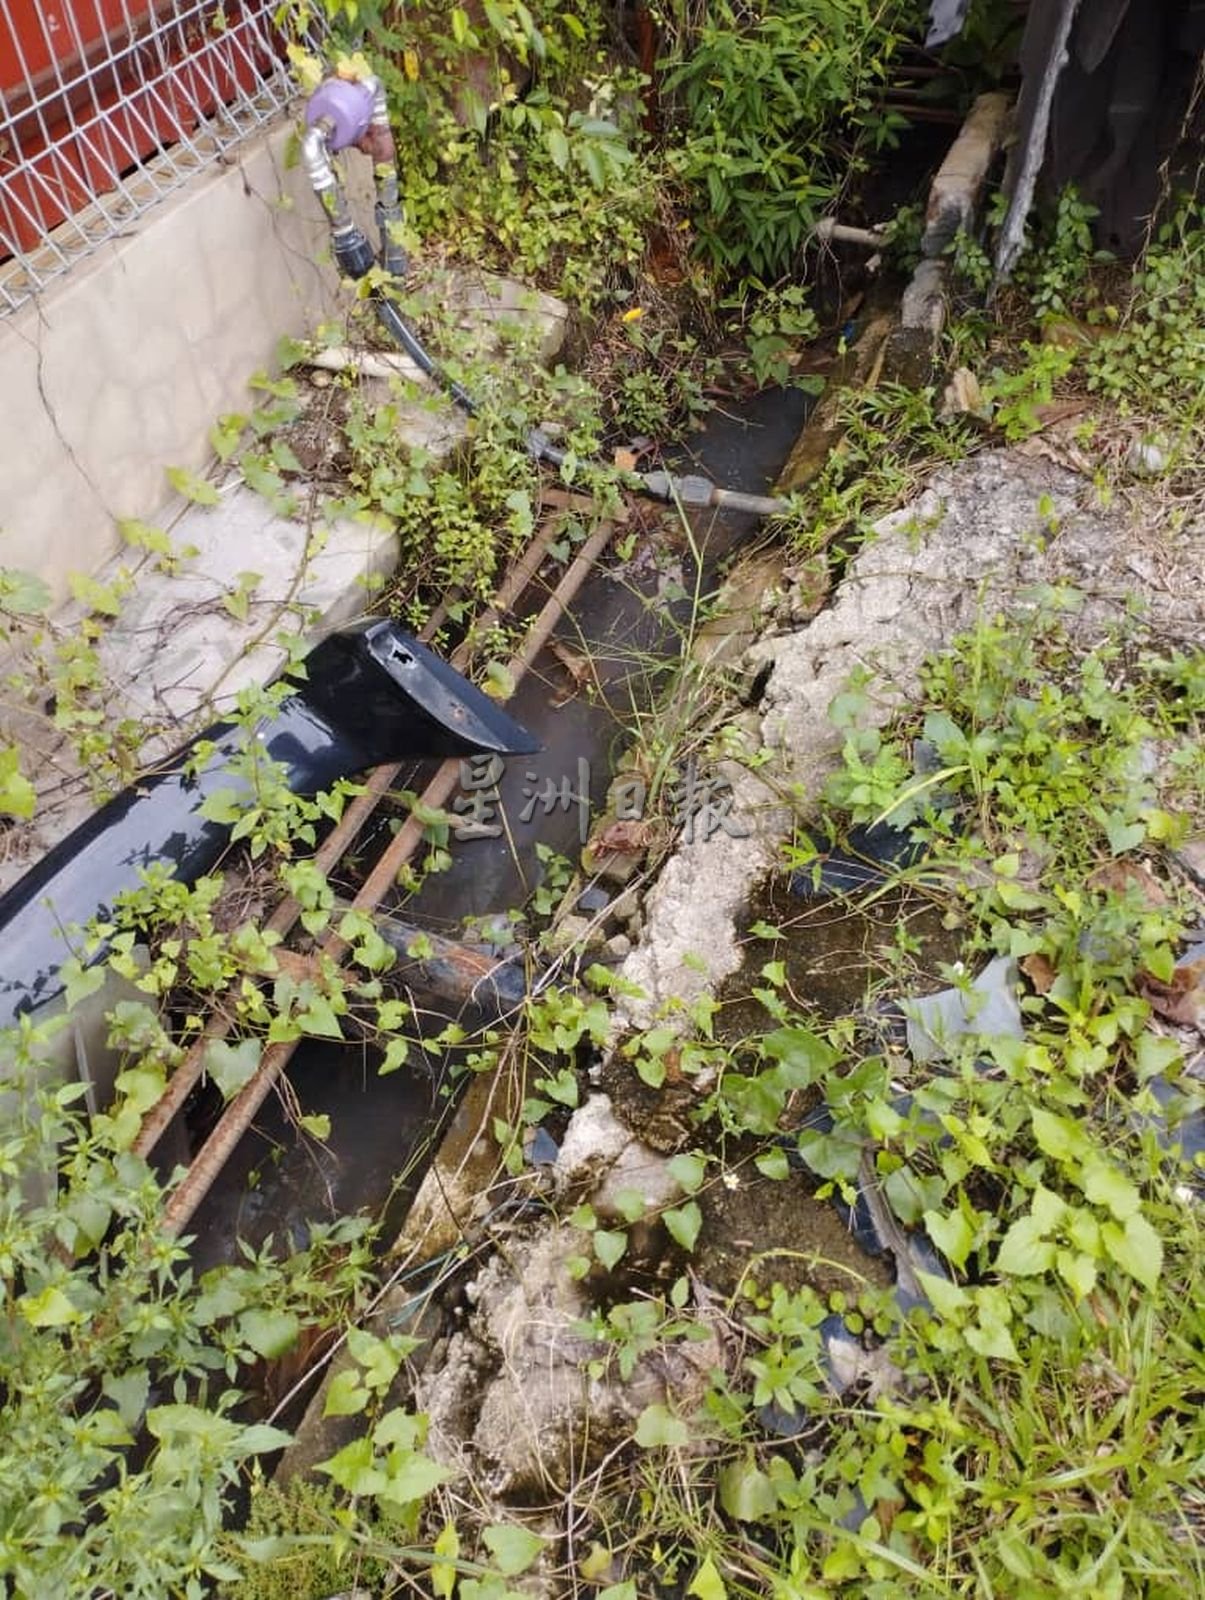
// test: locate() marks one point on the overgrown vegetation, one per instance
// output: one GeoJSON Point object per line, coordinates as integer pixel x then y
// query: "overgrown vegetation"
{"type": "Point", "coordinates": [1029, 1423]}
{"type": "Point", "coordinates": [1040, 1431]}
{"type": "Point", "coordinates": [123, 1438]}
{"type": "Point", "coordinates": [1077, 328]}
{"type": "Point", "coordinates": [779, 111]}
{"type": "Point", "coordinates": [547, 183]}
{"type": "Point", "coordinates": [523, 149]}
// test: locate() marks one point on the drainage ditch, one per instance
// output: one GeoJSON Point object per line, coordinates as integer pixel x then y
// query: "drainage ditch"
{"type": "Point", "coordinates": [603, 637]}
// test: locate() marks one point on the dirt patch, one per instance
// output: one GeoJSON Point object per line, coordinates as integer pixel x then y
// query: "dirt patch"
{"type": "Point", "coordinates": [839, 951]}
{"type": "Point", "coordinates": [661, 1118]}
{"type": "Point", "coordinates": [776, 1232]}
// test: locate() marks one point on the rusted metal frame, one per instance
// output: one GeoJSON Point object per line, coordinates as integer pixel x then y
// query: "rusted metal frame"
{"type": "Point", "coordinates": [186, 1076]}
{"type": "Point", "coordinates": [519, 574]}
{"type": "Point", "coordinates": [375, 787]}
{"type": "Point", "coordinates": [240, 1113]}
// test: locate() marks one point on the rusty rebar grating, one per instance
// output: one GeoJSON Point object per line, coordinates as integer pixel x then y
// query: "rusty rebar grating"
{"type": "Point", "coordinates": [239, 1114]}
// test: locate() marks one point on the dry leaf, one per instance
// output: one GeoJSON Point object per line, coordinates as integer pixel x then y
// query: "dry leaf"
{"type": "Point", "coordinates": [1058, 411]}
{"type": "Point", "coordinates": [626, 837]}
{"type": "Point", "coordinates": [886, 1512]}
{"type": "Point", "coordinates": [1181, 1001]}
{"type": "Point", "coordinates": [1068, 334]}
{"type": "Point", "coordinates": [1055, 446]}
{"type": "Point", "coordinates": [1122, 877]}
{"type": "Point", "coordinates": [576, 665]}
{"type": "Point", "coordinates": [625, 460]}
{"type": "Point", "coordinates": [1038, 970]}
{"type": "Point", "coordinates": [963, 396]}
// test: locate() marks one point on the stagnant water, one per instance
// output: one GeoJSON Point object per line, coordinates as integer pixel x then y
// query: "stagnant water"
{"type": "Point", "coordinates": [628, 620]}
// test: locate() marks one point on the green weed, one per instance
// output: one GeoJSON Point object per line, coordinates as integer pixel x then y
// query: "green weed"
{"type": "Point", "coordinates": [778, 107]}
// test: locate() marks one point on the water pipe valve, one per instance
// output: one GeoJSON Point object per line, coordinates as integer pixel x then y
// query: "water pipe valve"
{"type": "Point", "coordinates": [344, 114]}
{"type": "Point", "coordinates": [345, 105]}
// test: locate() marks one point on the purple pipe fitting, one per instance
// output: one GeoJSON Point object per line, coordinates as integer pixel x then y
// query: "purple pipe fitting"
{"type": "Point", "coordinates": [346, 106]}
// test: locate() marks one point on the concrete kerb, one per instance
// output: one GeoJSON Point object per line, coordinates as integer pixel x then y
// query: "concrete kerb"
{"type": "Point", "coordinates": [969, 542]}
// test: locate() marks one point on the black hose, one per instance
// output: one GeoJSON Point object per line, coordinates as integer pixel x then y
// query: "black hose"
{"type": "Point", "coordinates": [355, 258]}
{"type": "Point", "coordinates": [400, 331]}
{"type": "Point", "coordinates": [539, 446]}
{"type": "Point", "coordinates": [688, 491]}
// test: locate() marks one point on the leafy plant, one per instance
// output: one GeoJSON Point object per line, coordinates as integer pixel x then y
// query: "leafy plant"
{"type": "Point", "coordinates": [776, 319]}
{"type": "Point", "coordinates": [778, 106]}
{"type": "Point", "coordinates": [1056, 269]}
{"type": "Point", "coordinates": [119, 1366]}
{"type": "Point", "coordinates": [544, 184]}
{"type": "Point", "coordinates": [890, 436]}
{"type": "Point", "coordinates": [1155, 357]}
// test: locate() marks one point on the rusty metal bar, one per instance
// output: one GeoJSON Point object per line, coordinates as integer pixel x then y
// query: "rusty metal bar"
{"type": "Point", "coordinates": [374, 789]}
{"type": "Point", "coordinates": [450, 969]}
{"type": "Point", "coordinates": [188, 1073]}
{"type": "Point", "coordinates": [519, 574]}
{"type": "Point", "coordinates": [240, 1113]}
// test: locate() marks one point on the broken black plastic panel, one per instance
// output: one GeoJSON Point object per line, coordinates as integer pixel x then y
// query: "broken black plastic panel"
{"type": "Point", "coordinates": [868, 858]}
{"type": "Point", "coordinates": [368, 696]}
{"type": "Point", "coordinates": [414, 703]}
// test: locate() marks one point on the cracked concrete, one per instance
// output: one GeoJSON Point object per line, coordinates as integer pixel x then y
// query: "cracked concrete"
{"type": "Point", "coordinates": [524, 1397]}
{"type": "Point", "coordinates": [986, 534]}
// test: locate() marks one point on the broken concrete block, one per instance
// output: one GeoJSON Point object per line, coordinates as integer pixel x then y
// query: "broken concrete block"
{"type": "Point", "coordinates": [616, 866]}
{"type": "Point", "coordinates": [924, 301]}
{"type": "Point", "coordinates": [956, 190]}
{"type": "Point", "coordinates": [636, 1170]}
{"type": "Point", "coordinates": [593, 1142]}
{"type": "Point", "coordinates": [573, 933]}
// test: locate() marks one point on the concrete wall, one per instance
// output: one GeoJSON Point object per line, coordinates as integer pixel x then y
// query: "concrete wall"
{"type": "Point", "coordinates": [119, 370]}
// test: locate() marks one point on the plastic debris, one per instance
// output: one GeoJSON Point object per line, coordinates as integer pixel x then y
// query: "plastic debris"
{"type": "Point", "coordinates": [988, 1006]}
{"type": "Point", "coordinates": [867, 858]}
{"type": "Point", "coordinates": [946, 18]}
{"type": "Point", "coordinates": [543, 1149]}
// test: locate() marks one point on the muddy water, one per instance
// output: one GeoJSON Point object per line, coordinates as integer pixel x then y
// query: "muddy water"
{"type": "Point", "coordinates": [278, 1182]}
{"type": "Point", "coordinates": [628, 619]}
{"type": "Point", "coordinates": [626, 628]}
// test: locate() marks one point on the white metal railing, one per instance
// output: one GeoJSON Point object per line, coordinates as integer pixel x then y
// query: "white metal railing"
{"type": "Point", "coordinates": [107, 106]}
